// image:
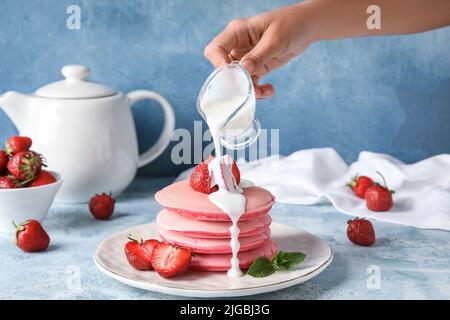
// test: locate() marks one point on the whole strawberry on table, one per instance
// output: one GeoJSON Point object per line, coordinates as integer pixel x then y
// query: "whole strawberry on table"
{"type": "Point", "coordinates": [102, 206]}
{"type": "Point", "coordinates": [378, 198]}
{"type": "Point", "coordinates": [31, 236]}
{"type": "Point", "coordinates": [361, 231]}
{"type": "Point", "coordinates": [20, 167]}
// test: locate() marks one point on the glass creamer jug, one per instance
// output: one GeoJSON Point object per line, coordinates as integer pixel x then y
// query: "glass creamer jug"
{"type": "Point", "coordinates": [227, 102]}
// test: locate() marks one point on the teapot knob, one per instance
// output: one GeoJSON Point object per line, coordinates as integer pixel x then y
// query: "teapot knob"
{"type": "Point", "coordinates": [75, 72]}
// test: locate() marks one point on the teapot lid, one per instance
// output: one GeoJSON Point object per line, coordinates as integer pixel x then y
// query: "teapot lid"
{"type": "Point", "coordinates": [75, 85]}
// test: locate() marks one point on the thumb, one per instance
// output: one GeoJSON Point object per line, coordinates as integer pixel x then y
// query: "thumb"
{"type": "Point", "coordinates": [263, 52]}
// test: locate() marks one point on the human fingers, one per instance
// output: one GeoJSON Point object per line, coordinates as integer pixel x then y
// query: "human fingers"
{"type": "Point", "coordinates": [219, 49]}
{"type": "Point", "coordinates": [262, 91]}
{"type": "Point", "coordinates": [264, 51]}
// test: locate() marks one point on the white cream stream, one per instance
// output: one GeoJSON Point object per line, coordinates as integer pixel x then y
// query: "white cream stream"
{"type": "Point", "coordinates": [229, 197]}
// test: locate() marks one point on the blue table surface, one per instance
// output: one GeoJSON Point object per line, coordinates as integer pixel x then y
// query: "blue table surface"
{"type": "Point", "coordinates": [408, 262]}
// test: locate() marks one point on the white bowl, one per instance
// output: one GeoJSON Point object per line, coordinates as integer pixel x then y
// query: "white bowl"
{"type": "Point", "coordinates": [22, 204]}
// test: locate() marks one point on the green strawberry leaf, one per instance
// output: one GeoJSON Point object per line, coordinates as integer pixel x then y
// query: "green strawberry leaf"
{"type": "Point", "coordinates": [261, 267]}
{"type": "Point", "coordinates": [287, 260]}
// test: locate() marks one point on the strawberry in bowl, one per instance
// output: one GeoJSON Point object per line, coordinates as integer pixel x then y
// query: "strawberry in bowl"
{"type": "Point", "coordinates": [27, 190]}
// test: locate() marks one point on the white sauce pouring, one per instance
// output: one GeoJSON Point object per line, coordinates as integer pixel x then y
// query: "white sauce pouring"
{"type": "Point", "coordinates": [229, 197]}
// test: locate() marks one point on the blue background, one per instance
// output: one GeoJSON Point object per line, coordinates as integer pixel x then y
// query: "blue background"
{"type": "Point", "coordinates": [384, 94]}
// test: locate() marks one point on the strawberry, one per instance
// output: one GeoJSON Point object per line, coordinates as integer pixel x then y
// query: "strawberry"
{"type": "Point", "coordinates": [139, 252]}
{"type": "Point", "coordinates": [201, 179]}
{"type": "Point", "coordinates": [3, 161]}
{"type": "Point", "coordinates": [44, 177]}
{"type": "Point", "coordinates": [359, 185]}
{"type": "Point", "coordinates": [234, 169]}
{"type": "Point", "coordinates": [360, 231]}
{"type": "Point", "coordinates": [378, 197]}
{"type": "Point", "coordinates": [169, 260]}
{"type": "Point", "coordinates": [236, 173]}
{"type": "Point", "coordinates": [31, 237]}
{"type": "Point", "coordinates": [25, 165]}
{"type": "Point", "coordinates": [102, 206]}
{"type": "Point", "coordinates": [16, 144]}
{"type": "Point", "coordinates": [8, 183]}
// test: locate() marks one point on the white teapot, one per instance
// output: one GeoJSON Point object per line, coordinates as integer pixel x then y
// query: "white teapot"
{"type": "Point", "coordinates": [86, 132]}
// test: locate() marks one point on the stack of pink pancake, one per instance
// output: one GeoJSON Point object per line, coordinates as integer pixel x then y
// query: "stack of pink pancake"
{"type": "Point", "coordinates": [191, 220]}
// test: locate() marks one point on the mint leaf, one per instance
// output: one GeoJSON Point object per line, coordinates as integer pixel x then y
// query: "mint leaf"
{"type": "Point", "coordinates": [261, 267]}
{"type": "Point", "coordinates": [287, 260]}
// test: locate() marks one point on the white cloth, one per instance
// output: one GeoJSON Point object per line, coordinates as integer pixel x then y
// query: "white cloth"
{"type": "Point", "coordinates": [307, 177]}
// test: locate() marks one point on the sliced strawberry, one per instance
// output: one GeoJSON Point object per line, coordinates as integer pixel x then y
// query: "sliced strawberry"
{"type": "Point", "coordinates": [139, 252]}
{"type": "Point", "coordinates": [234, 169]}
{"type": "Point", "coordinates": [236, 173]}
{"type": "Point", "coordinates": [228, 181]}
{"type": "Point", "coordinates": [169, 260]}
{"type": "Point", "coordinates": [201, 180]}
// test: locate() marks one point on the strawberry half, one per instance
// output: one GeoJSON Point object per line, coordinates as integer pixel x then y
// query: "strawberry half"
{"type": "Point", "coordinates": [200, 179]}
{"type": "Point", "coordinates": [16, 144]}
{"type": "Point", "coordinates": [169, 260]}
{"type": "Point", "coordinates": [234, 169]}
{"type": "Point", "coordinates": [236, 173]}
{"type": "Point", "coordinates": [359, 185]}
{"type": "Point", "coordinates": [139, 252]}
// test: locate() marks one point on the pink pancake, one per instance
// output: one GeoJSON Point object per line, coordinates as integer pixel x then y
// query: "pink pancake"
{"type": "Point", "coordinates": [221, 262]}
{"type": "Point", "coordinates": [212, 246]}
{"type": "Point", "coordinates": [181, 198]}
{"type": "Point", "coordinates": [172, 221]}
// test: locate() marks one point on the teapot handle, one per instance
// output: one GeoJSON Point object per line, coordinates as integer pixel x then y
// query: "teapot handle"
{"type": "Point", "coordinates": [169, 124]}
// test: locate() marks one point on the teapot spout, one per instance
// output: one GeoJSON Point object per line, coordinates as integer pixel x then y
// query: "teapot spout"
{"type": "Point", "coordinates": [15, 104]}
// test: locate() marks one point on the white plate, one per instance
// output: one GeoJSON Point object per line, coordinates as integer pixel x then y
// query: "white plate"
{"type": "Point", "coordinates": [110, 259]}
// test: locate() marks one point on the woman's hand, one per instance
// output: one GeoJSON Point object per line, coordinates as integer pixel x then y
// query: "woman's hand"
{"type": "Point", "coordinates": [262, 43]}
{"type": "Point", "coordinates": [268, 41]}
